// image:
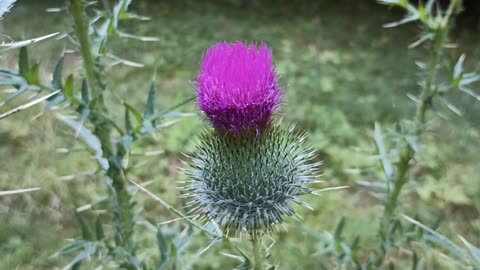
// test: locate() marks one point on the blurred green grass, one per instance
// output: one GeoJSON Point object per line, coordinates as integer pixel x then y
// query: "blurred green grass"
{"type": "Point", "coordinates": [341, 72]}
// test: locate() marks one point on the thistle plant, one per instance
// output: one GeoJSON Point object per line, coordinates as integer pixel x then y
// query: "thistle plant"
{"type": "Point", "coordinates": [82, 108]}
{"type": "Point", "coordinates": [396, 162]}
{"type": "Point", "coordinates": [247, 170]}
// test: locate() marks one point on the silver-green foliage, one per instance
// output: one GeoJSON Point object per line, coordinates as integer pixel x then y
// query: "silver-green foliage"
{"type": "Point", "coordinates": [5, 6]}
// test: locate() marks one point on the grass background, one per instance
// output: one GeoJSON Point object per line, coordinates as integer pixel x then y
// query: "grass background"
{"type": "Point", "coordinates": [341, 72]}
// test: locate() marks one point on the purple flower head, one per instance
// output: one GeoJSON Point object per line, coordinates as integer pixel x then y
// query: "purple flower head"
{"type": "Point", "coordinates": [238, 87]}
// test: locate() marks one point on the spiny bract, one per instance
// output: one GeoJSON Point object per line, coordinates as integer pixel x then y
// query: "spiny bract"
{"type": "Point", "coordinates": [247, 182]}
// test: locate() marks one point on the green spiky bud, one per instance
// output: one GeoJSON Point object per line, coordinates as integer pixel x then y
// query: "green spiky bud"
{"type": "Point", "coordinates": [249, 181]}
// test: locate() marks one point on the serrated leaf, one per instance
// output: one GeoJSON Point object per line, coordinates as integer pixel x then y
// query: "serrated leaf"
{"type": "Point", "coordinates": [85, 92]}
{"type": "Point", "coordinates": [77, 245]}
{"type": "Point", "coordinates": [134, 261]}
{"type": "Point", "coordinates": [27, 105]}
{"type": "Point", "coordinates": [439, 240]}
{"type": "Point", "coordinates": [421, 40]}
{"type": "Point", "coordinates": [470, 92]}
{"type": "Point", "coordinates": [469, 78]}
{"type": "Point", "coordinates": [147, 127]}
{"type": "Point", "coordinates": [126, 142]}
{"type": "Point", "coordinates": [86, 253]}
{"type": "Point", "coordinates": [14, 79]}
{"type": "Point", "coordinates": [355, 242]}
{"type": "Point", "coordinates": [86, 234]}
{"type": "Point", "coordinates": [136, 114]}
{"type": "Point", "coordinates": [235, 257]}
{"type": "Point", "coordinates": [32, 76]}
{"type": "Point", "coordinates": [57, 74]}
{"type": "Point", "coordinates": [126, 256]}
{"type": "Point", "coordinates": [429, 6]}
{"type": "Point", "coordinates": [390, 2]}
{"type": "Point", "coordinates": [405, 20]}
{"type": "Point", "coordinates": [422, 12]}
{"type": "Point", "coordinates": [150, 107]}
{"type": "Point", "coordinates": [458, 69]}
{"type": "Point", "coordinates": [119, 10]}
{"type": "Point", "coordinates": [23, 62]}
{"type": "Point", "coordinates": [164, 250]}
{"type": "Point", "coordinates": [170, 111]}
{"type": "Point", "coordinates": [473, 250]}
{"type": "Point", "coordinates": [5, 6]}
{"type": "Point", "coordinates": [386, 163]}
{"type": "Point", "coordinates": [173, 251]}
{"type": "Point", "coordinates": [128, 122]}
{"type": "Point", "coordinates": [340, 227]}
{"type": "Point", "coordinates": [68, 88]}
{"type": "Point", "coordinates": [88, 138]}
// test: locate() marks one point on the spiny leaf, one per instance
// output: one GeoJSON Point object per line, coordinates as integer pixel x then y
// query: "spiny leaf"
{"type": "Point", "coordinates": [458, 69]}
{"type": "Point", "coordinates": [8, 77]}
{"type": "Point", "coordinates": [164, 250]}
{"type": "Point", "coordinates": [17, 191]}
{"type": "Point", "coordinates": [18, 44]}
{"type": "Point", "coordinates": [86, 253]}
{"type": "Point", "coordinates": [150, 107]}
{"type": "Point", "coordinates": [23, 62]}
{"type": "Point", "coordinates": [88, 138]}
{"type": "Point", "coordinates": [136, 114]}
{"type": "Point", "coordinates": [76, 245]}
{"type": "Point", "coordinates": [68, 89]}
{"type": "Point", "coordinates": [86, 234]}
{"type": "Point", "coordinates": [32, 76]}
{"type": "Point", "coordinates": [401, 3]}
{"type": "Point", "coordinates": [28, 105]}
{"type": "Point", "coordinates": [402, 21]}
{"type": "Point", "coordinates": [339, 230]}
{"type": "Point", "coordinates": [439, 239]}
{"type": "Point", "coordinates": [5, 6]}
{"type": "Point", "coordinates": [85, 92]}
{"type": "Point", "coordinates": [128, 123]}
{"type": "Point", "coordinates": [170, 111]}
{"type": "Point", "coordinates": [57, 74]}
{"type": "Point", "coordinates": [473, 250]}
{"type": "Point", "coordinates": [386, 163]}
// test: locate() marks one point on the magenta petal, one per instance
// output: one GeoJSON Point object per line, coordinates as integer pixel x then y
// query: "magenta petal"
{"type": "Point", "coordinates": [238, 87]}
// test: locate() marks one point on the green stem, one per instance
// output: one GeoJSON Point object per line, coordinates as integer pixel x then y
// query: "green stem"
{"type": "Point", "coordinates": [257, 250]}
{"type": "Point", "coordinates": [103, 129]}
{"type": "Point", "coordinates": [428, 92]}
{"type": "Point", "coordinates": [407, 152]}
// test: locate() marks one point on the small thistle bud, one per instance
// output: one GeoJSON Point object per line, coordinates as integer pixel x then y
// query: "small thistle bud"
{"type": "Point", "coordinates": [248, 182]}
{"type": "Point", "coordinates": [237, 87]}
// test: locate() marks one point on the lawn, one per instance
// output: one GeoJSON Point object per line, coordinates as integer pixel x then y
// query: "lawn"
{"type": "Point", "coordinates": [341, 72]}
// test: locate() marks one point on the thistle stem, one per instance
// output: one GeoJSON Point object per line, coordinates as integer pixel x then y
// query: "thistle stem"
{"type": "Point", "coordinates": [103, 129]}
{"type": "Point", "coordinates": [429, 90]}
{"type": "Point", "coordinates": [257, 250]}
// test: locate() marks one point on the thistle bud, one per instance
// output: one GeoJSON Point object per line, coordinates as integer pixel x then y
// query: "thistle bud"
{"type": "Point", "coordinates": [248, 182]}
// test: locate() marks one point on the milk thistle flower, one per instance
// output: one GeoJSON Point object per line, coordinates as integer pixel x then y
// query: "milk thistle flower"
{"type": "Point", "coordinates": [238, 87]}
{"type": "Point", "coordinates": [247, 170]}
